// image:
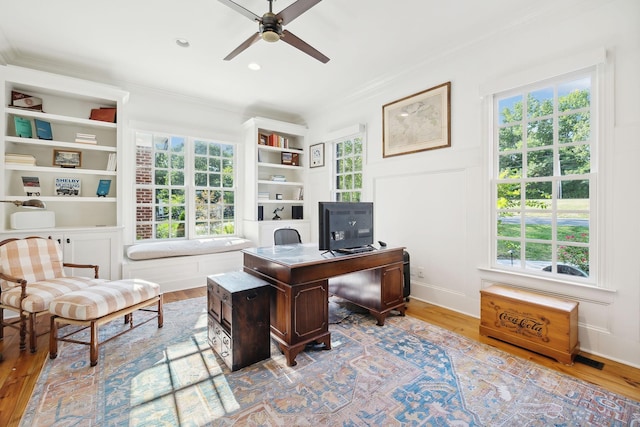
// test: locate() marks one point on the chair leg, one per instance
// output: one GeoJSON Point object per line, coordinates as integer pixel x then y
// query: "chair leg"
{"type": "Point", "coordinates": [33, 336]}
{"type": "Point", "coordinates": [93, 353]}
{"type": "Point", "coordinates": [23, 331]}
{"type": "Point", "coordinates": [160, 314]}
{"type": "Point", "coordinates": [53, 338]}
{"type": "Point", "coordinates": [1, 324]}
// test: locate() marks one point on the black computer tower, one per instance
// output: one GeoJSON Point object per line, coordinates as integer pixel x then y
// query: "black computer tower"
{"type": "Point", "coordinates": [407, 275]}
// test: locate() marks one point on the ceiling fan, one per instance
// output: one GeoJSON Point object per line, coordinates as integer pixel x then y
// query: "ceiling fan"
{"type": "Point", "coordinates": [270, 27]}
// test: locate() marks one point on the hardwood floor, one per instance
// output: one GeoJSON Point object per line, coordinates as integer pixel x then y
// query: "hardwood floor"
{"type": "Point", "coordinates": [20, 370]}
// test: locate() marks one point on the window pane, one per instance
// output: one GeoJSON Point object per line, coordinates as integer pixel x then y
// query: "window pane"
{"type": "Point", "coordinates": [510, 109]}
{"type": "Point", "coordinates": [574, 95]}
{"type": "Point", "coordinates": [540, 103]}
{"type": "Point", "coordinates": [200, 148]}
{"type": "Point", "coordinates": [575, 160]}
{"type": "Point", "coordinates": [574, 189]}
{"type": "Point", "coordinates": [540, 163]}
{"type": "Point", "coordinates": [508, 196]}
{"type": "Point", "coordinates": [508, 252]}
{"type": "Point", "coordinates": [508, 224]}
{"type": "Point", "coordinates": [575, 257]}
{"type": "Point", "coordinates": [574, 127]}
{"type": "Point", "coordinates": [510, 166]}
{"type": "Point", "coordinates": [510, 138]}
{"type": "Point", "coordinates": [538, 195]}
{"type": "Point", "coordinates": [540, 133]}
{"type": "Point", "coordinates": [537, 255]}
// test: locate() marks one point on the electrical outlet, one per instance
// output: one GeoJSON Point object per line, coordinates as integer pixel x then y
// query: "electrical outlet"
{"type": "Point", "coordinates": [421, 272]}
{"type": "Point", "coordinates": [412, 271]}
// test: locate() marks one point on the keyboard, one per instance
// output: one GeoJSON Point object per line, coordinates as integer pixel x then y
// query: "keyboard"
{"type": "Point", "coordinates": [357, 250]}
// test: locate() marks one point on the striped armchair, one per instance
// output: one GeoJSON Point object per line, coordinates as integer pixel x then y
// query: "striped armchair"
{"type": "Point", "coordinates": [31, 276]}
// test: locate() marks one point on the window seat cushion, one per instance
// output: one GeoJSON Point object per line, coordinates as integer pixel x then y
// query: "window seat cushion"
{"type": "Point", "coordinates": [178, 248]}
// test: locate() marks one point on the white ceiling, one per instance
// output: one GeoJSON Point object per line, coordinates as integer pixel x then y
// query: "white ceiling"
{"type": "Point", "coordinates": [132, 43]}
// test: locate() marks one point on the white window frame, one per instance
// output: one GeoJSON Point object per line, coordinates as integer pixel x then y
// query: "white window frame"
{"type": "Point", "coordinates": [602, 114]}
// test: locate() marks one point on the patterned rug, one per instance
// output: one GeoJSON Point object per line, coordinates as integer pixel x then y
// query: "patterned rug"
{"type": "Point", "coordinates": [407, 372]}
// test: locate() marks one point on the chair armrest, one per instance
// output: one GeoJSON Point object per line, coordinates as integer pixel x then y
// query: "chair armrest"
{"type": "Point", "coordinates": [8, 278]}
{"type": "Point", "coordinates": [95, 267]}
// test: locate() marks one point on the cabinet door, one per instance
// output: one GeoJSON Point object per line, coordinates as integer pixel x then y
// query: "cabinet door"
{"type": "Point", "coordinates": [93, 248]}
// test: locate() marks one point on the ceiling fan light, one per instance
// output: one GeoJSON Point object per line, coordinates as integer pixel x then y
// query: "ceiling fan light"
{"type": "Point", "coordinates": [270, 36]}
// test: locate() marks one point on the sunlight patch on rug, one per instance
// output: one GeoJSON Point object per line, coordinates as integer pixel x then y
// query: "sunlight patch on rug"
{"type": "Point", "coordinates": [405, 373]}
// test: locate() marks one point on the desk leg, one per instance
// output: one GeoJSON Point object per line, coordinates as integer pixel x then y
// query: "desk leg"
{"type": "Point", "coordinates": [290, 352]}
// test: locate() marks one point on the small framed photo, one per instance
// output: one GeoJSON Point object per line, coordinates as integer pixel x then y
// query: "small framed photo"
{"type": "Point", "coordinates": [286, 158]}
{"type": "Point", "coordinates": [67, 158]}
{"type": "Point", "coordinates": [316, 157]}
{"type": "Point", "coordinates": [263, 139]}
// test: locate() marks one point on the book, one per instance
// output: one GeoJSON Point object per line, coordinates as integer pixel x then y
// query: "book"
{"type": "Point", "coordinates": [86, 141]}
{"type": "Point", "coordinates": [31, 185]}
{"type": "Point", "coordinates": [43, 129]}
{"type": "Point", "coordinates": [103, 187]}
{"type": "Point", "coordinates": [23, 127]}
{"type": "Point", "coordinates": [20, 159]}
{"type": "Point", "coordinates": [67, 186]}
{"type": "Point", "coordinates": [86, 138]}
{"type": "Point", "coordinates": [111, 163]}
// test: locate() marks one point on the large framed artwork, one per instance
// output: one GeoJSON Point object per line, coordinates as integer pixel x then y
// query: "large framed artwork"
{"type": "Point", "coordinates": [418, 122]}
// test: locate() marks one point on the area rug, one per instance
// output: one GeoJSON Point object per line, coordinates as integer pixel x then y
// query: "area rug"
{"type": "Point", "coordinates": [407, 372]}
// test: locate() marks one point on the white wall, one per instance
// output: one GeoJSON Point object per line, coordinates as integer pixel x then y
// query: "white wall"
{"type": "Point", "coordinates": [436, 202]}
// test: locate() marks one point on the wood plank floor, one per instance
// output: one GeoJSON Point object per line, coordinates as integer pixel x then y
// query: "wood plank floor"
{"type": "Point", "coordinates": [20, 370]}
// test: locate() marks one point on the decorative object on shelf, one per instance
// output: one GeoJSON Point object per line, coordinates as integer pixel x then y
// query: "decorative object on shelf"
{"type": "Point", "coordinates": [67, 158]}
{"type": "Point", "coordinates": [23, 127]}
{"type": "Point", "coordinates": [278, 196]}
{"type": "Point", "coordinates": [23, 100]}
{"type": "Point", "coordinates": [299, 193]}
{"type": "Point", "coordinates": [288, 158]}
{"type": "Point", "coordinates": [31, 185]}
{"type": "Point", "coordinates": [104, 114]}
{"type": "Point", "coordinates": [275, 213]}
{"type": "Point", "coordinates": [28, 204]}
{"type": "Point", "coordinates": [417, 122]}
{"type": "Point", "coordinates": [316, 156]}
{"type": "Point", "coordinates": [103, 187]}
{"type": "Point", "coordinates": [43, 129]}
{"type": "Point", "coordinates": [279, 178]}
{"type": "Point", "coordinates": [86, 138]}
{"type": "Point", "coordinates": [67, 186]}
{"type": "Point", "coordinates": [263, 195]}
{"type": "Point", "coordinates": [263, 139]}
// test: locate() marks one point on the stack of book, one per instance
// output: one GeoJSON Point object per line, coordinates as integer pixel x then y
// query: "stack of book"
{"type": "Point", "coordinates": [262, 195]}
{"type": "Point", "coordinates": [86, 138]}
{"type": "Point", "coordinates": [20, 159]}
{"type": "Point", "coordinates": [111, 163]}
{"type": "Point", "coordinates": [279, 178]}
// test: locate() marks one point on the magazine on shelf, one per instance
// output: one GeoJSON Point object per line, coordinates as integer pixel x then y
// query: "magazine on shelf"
{"type": "Point", "coordinates": [67, 186]}
{"type": "Point", "coordinates": [43, 129]}
{"type": "Point", "coordinates": [31, 185]}
{"type": "Point", "coordinates": [103, 187]}
{"type": "Point", "coordinates": [23, 127]}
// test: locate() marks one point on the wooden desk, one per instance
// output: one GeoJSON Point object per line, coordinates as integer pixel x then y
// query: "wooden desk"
{"type": "Point", "coordinates": [303, 278]}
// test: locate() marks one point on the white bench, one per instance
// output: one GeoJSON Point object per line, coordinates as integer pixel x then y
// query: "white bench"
{"type": "Point", "coordinates": [100, 304]}
{"type": "Point", "coordinates": [183, 264]}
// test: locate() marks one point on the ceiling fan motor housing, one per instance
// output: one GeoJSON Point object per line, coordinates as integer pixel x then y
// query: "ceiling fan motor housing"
{"type": "Point", "coordinates": [270, 28]}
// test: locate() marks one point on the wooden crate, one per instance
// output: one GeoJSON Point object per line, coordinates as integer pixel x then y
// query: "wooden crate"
{"type": "Point", "coordinates": [539, 323]}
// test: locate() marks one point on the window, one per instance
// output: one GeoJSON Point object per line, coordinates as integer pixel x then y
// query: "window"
{"type": "Point", "coordinates": [544, 178]}
{"type": "Point", "coordinates": [348, 169]}
{"type": "Point", "coordinates": [185, 187]}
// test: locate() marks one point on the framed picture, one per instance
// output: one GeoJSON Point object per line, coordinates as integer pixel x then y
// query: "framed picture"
{"type": "Point", "coordinates": [286, 158]}
{"type": "Point", "coordinates": [67, 158]}
{"type": "Point", "coordinates": [417, 122]}
{"type": "Point", "coordinates": [263, 139]}
{"type": "Point", "coordinates": [316, 155]}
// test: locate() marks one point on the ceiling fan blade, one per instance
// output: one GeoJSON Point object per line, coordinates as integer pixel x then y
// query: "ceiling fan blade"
{"type": "Point", "coordinates": [294, 10]}
{"type": "Point", "coordinates": [293, 40]}
{"type": "Point", "coordinates": [241, 10]}
{"type": "Point", "coordinates": [248, 42]}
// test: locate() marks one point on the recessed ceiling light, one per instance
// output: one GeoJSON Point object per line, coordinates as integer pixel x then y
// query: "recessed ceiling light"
{"type": "Point", "coordinates": [182, 42]}
{"type": "Point", "coordinates": [253, 66]}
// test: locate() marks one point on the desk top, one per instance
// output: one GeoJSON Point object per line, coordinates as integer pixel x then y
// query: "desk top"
{"type": "Point", "coordinates": [296, 255]}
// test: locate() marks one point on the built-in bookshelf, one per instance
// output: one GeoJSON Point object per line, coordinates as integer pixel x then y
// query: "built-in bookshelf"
{"type": "Point", "coordinates": [49, 138]}
{"type": "Point", "coordinates": [275, 177]}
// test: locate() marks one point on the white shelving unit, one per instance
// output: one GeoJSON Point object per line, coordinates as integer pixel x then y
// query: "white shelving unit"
{"type": "Point", "coordinates": [275, 177]}
{"type": "Point", "coordinates": [66, 106]}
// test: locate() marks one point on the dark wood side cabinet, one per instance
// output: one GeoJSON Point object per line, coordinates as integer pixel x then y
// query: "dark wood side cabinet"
{"type": "Point", "coordinates": [238, 318]}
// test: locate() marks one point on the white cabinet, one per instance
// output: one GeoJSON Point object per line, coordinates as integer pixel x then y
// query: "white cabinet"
{"type": "Point", "coordinates": [66, 107]}
{"type": "Point", "coordinates": [101, 246]}
{"type": "Point", "coordinates": [275, 179]}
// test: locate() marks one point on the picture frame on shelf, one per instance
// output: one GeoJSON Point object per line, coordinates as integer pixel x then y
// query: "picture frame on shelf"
{"type": "Point", "coordinates": [103, 187]}
{"type": "Point", "coordinates": [67, 158]}
{"type": "Point", "coordinates": [286, 158]}
{"type": "Point", "coordinates": [31, 185]}
{"type": "Point", "coordinates": [263, 139]}
{"type": "Point", "coordinates": [316, 155]}
{"type": "Point", "coordinates": [418, 122]}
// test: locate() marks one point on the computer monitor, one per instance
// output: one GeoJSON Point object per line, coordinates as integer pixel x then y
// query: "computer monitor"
{"type": "Point", "coordinates": [345, 225]}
